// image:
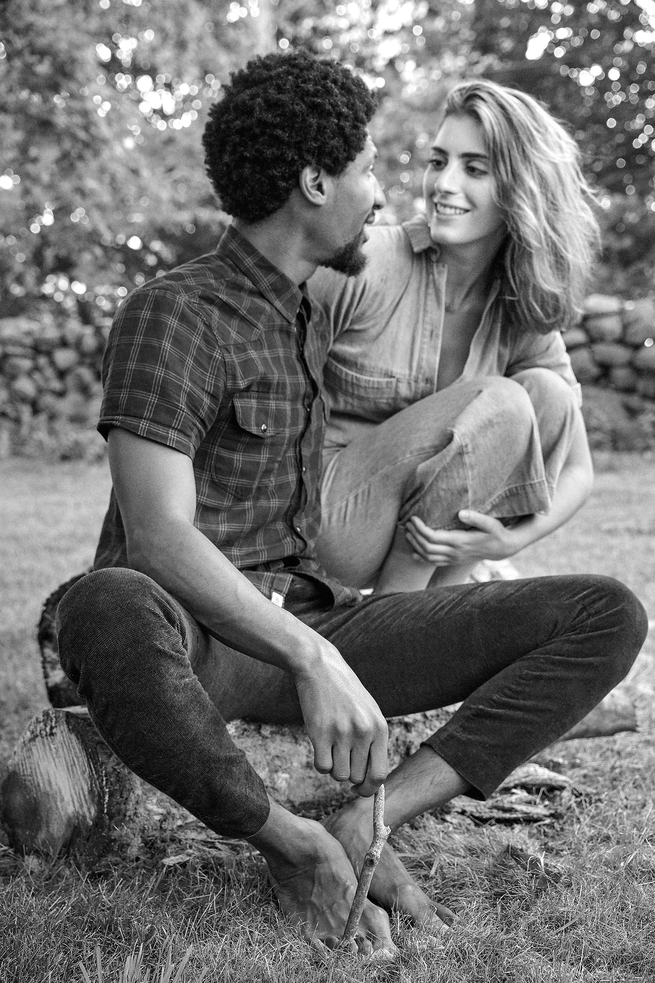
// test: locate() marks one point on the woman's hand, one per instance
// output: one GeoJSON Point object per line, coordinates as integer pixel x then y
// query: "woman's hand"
{"type": "Point", "coordinates": [485, 539]}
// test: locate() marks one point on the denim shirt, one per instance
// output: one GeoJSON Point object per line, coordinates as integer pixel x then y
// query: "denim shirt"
{"type": "Point", "coordinates": [386, 329]}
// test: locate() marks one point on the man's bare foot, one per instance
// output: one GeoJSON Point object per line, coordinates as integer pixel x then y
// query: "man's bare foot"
{"type": "Point", "coordinates": [314, 883]}
{"type": "Point", "coordinates": [392, 885]}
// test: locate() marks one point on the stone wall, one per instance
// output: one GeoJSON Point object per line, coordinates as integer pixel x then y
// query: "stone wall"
{"type": "Point", "coordinates": [50, 387]}
{"type": "Point", "coordinates": [615, 342]}
{"type": "Point", "coordinates": [612, 351]}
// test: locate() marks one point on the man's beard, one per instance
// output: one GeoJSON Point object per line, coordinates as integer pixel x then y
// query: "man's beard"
{"type": "Point", "coordinates": [350, 260]}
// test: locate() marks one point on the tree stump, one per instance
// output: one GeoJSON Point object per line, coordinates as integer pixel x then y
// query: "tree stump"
{"type": "Point", "coordinates": [61, 691]}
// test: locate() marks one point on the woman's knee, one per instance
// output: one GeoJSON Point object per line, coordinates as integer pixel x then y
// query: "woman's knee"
{"type": "Point", "coordinates": [502, 415]}
{"type": "Point", "coordinates": [549, 393]}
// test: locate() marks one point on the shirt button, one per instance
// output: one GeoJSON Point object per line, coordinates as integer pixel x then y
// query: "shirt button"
{"type": "Point", "coordinates": [264, 428]}
{"type": "Point", "coordinates": [304, 469]}
{"type": "Point", "coordinates": [298, 529]}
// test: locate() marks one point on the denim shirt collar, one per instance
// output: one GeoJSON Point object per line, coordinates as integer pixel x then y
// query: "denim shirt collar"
{"type": "Point", "coordinates": [417, 231]}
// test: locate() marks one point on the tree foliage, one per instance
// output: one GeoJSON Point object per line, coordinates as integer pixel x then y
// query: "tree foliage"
{"type": "Point", "coordinates": [101, 173]}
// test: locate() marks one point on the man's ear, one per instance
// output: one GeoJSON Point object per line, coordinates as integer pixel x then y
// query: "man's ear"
{"type": "Point", "coordinates": [312, 184]}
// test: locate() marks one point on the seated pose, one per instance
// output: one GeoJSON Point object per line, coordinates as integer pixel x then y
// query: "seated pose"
{"type": "Point", "coordinates": [207, 602]}
{"type": "Point", "coordinates": [454, 431]}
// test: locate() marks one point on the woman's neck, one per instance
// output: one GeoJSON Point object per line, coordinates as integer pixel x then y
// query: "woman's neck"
{"type": "Point", "coordinates": [469, 274]}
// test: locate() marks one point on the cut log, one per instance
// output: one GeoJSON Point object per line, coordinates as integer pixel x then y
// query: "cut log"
{"type": "Point", "coordinates": [65, 791]}
{"type": "Point", "coordinates": [61, 691]}
{"type": "Point", "coordinates": [616, 713]}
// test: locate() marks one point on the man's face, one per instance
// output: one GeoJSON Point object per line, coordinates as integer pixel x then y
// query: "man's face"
{"type": "Point", "coordinates": [356, 195]}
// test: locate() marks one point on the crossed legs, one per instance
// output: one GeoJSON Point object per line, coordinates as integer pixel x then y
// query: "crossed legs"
{"type": "Point", "coordinates": [528, 658]}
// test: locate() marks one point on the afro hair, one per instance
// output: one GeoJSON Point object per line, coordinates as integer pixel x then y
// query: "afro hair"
{"type": "Point", "coordinates": [278, 115]}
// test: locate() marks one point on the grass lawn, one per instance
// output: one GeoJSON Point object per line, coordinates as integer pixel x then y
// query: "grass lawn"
{"type": "Point", "coordinates": [210, 915]}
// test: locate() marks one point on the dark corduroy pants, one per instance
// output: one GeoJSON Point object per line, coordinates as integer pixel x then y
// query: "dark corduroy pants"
{"type": "Point", "coordinates": [526, 658]}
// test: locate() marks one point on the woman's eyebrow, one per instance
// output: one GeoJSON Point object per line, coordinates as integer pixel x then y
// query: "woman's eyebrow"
{"type": "Point", "coordinates": [467, 155]}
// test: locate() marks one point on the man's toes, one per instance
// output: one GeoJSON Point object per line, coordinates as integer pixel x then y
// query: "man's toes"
{"type": "Point", "coordinates": [437, 919]}
{"type": "Point", "coordinates": [447, 917]}
{"type": "Point", "coordinates": [384, 953]}
{"type": "Point", "coordinates": [376, 928]}
{"type": "Point", "coordinates": [332, 942]}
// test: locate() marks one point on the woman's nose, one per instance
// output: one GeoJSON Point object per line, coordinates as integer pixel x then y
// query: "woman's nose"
{"type": "Point", "coordinates": [445, 180]}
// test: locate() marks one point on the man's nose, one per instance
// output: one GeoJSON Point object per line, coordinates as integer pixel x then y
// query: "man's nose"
{"type": "Point", "coordinates": [380, 199]}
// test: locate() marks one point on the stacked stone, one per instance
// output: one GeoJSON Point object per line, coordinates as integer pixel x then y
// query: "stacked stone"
{"type": "Point", "coordinates": [50, 386]}
{"type": "Point", "coordinates": [614, 345]}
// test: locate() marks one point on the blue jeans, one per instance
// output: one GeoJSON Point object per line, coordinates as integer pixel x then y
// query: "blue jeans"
{"type": "Point", "coordinates": [528, 658]}
{"type": "Point", "coordinates": [495, 445]}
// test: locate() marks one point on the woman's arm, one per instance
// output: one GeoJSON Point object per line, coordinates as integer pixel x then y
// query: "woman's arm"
{"type": "Point", "coordinates": [488, 538]}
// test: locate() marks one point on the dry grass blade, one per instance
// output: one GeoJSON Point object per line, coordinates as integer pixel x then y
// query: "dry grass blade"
{"type": "Point", "coordinates": [134, 972]}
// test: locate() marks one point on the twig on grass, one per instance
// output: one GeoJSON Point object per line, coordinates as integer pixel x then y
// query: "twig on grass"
{"type": "Point", "coordinates": [380, 836]}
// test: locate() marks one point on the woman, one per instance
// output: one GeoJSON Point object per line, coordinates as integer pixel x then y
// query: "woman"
{"type": "Point", "coordinates": [454, 430]}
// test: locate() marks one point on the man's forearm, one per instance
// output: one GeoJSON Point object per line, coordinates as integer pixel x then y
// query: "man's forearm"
{"type": "Point", "coordinates": [343, 721]}
{"type": "Point", "coordinates": [218, 596]}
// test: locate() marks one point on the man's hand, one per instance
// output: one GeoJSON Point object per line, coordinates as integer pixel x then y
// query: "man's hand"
{"type": "Point", "coordinates": [345, 725]}
{"type": "Point", "coordinates": [486, 539]}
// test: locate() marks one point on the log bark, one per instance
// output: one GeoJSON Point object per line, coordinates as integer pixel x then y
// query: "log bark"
{"type": "Point", "coordinates": [61, 691]}
{"type": "Point", "coordinates": [65, 791]}
{"type": "Point", "coordinates": [616, 713]}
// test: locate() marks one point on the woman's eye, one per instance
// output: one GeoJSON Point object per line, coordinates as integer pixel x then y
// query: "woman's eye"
{"type": "Point", "coordinates": [437, 162]}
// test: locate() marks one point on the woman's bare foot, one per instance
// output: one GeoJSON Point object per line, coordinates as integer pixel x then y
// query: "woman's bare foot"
{"type": "Point", "coordinates": [392, 885]}
{"type": "Point", "coordinates": [314, 883]}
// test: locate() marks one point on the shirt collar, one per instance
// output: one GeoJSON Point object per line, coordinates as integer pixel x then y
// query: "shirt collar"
{"type": "Point", "coordinates": [272, 283]}
{"type": "Point", "coordinates": [418, 233]}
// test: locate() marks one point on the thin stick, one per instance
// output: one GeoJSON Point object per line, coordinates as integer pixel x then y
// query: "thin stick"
{"type": "Point", "coordinates": [380, 835]}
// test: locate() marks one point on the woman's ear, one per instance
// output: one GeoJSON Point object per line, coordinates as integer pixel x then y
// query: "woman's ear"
{"type": "Point", "coordinates": [312, 184]}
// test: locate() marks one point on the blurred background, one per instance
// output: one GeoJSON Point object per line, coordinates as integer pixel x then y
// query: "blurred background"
{"type": "Point", "coordinates": [102, 181]}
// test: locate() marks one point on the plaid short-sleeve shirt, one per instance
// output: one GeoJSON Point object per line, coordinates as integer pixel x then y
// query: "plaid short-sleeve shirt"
{"type": "Point", "coordinates": [217, 360]}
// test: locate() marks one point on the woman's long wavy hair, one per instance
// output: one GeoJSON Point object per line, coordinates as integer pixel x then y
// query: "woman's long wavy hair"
{"type": "Point", "coordinates": [553, 236]}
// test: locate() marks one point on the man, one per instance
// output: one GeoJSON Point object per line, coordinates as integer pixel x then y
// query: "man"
{"type": "Point", "coordinates": [207, 604]}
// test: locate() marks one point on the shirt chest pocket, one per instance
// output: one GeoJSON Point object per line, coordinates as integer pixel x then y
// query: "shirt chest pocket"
{"type": "Point", "coordinates": [370, 397]}
{"type": "Point", "coordinates": [262, 431]}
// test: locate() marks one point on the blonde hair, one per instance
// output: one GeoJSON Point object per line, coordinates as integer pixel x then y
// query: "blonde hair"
{"type": "Point", "coordinates": [553, 236]}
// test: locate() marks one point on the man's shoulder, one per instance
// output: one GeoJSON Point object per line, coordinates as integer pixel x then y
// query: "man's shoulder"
{"type": "Point", "coordinates": [207, 276]}
{"type": "Point", "coordinates": [209, 290]}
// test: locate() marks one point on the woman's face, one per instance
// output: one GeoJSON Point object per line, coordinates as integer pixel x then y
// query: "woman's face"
{"type": "Point", "coordinates": [458, 187]}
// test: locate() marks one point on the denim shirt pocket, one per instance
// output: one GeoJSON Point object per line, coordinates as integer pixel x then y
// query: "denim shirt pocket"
{"type": "Point", "coordinates": [370, 397]}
